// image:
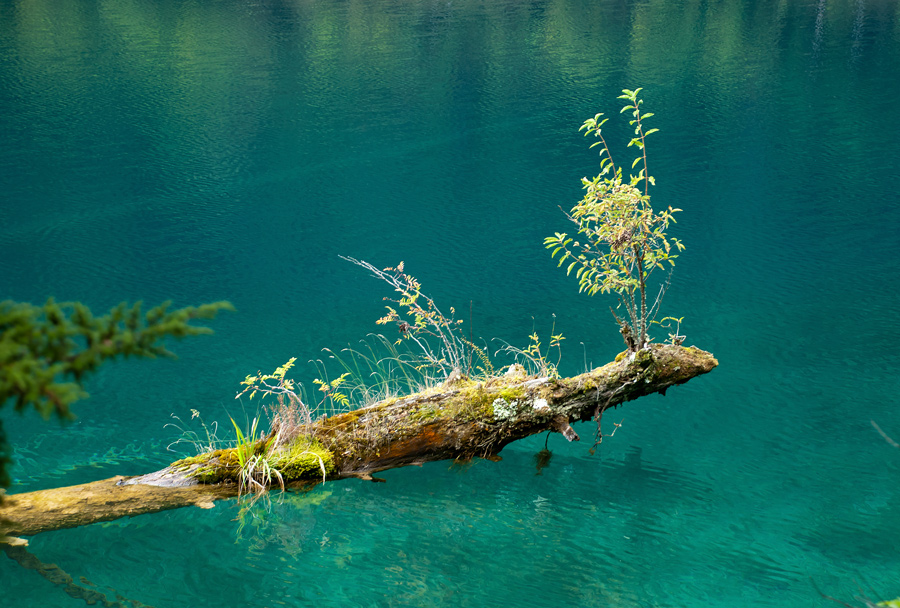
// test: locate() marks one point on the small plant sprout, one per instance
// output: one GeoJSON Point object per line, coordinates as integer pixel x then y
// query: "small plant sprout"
{"type": "Point", "coordinates": [675, 336]}
{"type": "Point", "coordinates": [420, 321]}
{"type": "Point", "coordinates": [266, 459]}
{"type": "Point", "coordinates": [255, 472]}
{"type": "Point", "coordinates": [375, 370]}
{"type": "Point", "coordinates": [201, 444]}
{"type": "Point", "coordinates": [533, 358]}
{"type": "Point", "coordinates": [332, 394]}
{"type": "Point", "coordinates": [620, 238]}
{"type": "Point", "coordinates": [277, 385]}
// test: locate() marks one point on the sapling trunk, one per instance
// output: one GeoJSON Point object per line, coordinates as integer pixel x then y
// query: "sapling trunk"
{"type": "Point", "coordinates": [642, 280]}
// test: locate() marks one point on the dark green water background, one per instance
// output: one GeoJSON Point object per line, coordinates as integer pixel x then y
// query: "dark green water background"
{"type": "Point", "coordinates": [232, 150]}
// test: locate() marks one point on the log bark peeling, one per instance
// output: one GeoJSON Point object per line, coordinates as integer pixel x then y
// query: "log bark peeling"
{"type": "Point", "coordinates": [459, 419]}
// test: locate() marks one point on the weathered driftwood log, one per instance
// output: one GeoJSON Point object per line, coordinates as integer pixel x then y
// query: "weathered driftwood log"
{"type": "Point", "coordinates": [459, 419]}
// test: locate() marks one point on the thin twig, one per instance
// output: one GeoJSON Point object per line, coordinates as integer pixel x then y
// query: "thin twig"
{"type": "Point", "coordinates": [885, 435]}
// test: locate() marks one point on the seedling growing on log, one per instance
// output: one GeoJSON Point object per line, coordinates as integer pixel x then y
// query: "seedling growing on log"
{"type": "Point", "coordinates": [675, 337]}
{"type": "Point", "coordinates": [533, 358]}
{"type": "Point", "coordinates": [189, 436]}
{"type": "Point", "coordinates": [620, 239]}
{"type": "Point", "coordinates": [421, 321]}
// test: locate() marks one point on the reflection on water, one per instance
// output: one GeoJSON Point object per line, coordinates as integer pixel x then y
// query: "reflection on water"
{"type": "Point", "coordinates": [201, 151]}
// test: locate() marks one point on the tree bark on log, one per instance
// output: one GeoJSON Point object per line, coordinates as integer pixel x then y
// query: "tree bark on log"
{"type": "Point", "coordinates": [459, 419]}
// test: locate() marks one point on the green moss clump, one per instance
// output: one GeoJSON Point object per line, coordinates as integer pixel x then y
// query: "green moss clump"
{"type": "Point", "coordinates": [303, 459]}
{"type": "Point", "coordinates": [643, 357]}
{"type": "Point", "coordinates": [513, 393]}
{"type": "Point", "coordinates": [210, 467]}
{"type": "Point", "coordinates": [186, 463]}
{"type": "Point", "coordinates": [228, 457]}
{"type": "Point", "coordinates": [212, 474]}
{"type": "Point", "coordinates": [476, 401]}
{"type": "Point", "coordinates": [389, 401]}
{"type": "Point", "coordinates": [340, 420]}
{"type": "Point", "coordinates": [425, 413]}
{"type": "Point", "coordinates": [471, 403]}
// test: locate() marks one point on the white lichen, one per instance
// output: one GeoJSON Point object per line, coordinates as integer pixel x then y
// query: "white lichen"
{"type": "Point", "coordinates": [540, 405]}
{"type": "Point", "coordinates": [504, 409]}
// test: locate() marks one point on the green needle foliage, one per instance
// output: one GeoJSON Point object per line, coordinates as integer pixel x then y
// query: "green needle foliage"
{"type": "Point", "coordinates": [47, 351]}
{"type": "Point", "coordinates": [621, 238]}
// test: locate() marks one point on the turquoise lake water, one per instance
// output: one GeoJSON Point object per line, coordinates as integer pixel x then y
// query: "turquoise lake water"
{"type": "Point", "coordinates": [203, 150]}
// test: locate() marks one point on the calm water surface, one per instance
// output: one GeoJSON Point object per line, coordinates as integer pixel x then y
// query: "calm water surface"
{"type": "Point", "coordinates": [196, 151]}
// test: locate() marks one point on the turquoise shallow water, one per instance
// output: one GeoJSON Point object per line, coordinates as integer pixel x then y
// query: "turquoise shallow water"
{"type": "Point", "coordinates": [197, 151]}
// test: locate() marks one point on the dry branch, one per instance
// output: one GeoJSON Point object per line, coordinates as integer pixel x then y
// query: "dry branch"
{"type": "Point", "coordinates": [460, 419]}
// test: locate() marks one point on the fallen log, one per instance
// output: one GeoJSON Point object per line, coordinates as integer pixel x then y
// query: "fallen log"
{"type": "Point", "coordinates": [459, 419]}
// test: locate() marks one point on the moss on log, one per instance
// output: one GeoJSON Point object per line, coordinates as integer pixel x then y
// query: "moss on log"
{"type": "Point", "coordinates": [459, 419]}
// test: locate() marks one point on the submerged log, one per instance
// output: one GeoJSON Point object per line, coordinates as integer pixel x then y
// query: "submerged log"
{"type": "Point", "coordinates": [459, 419]}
